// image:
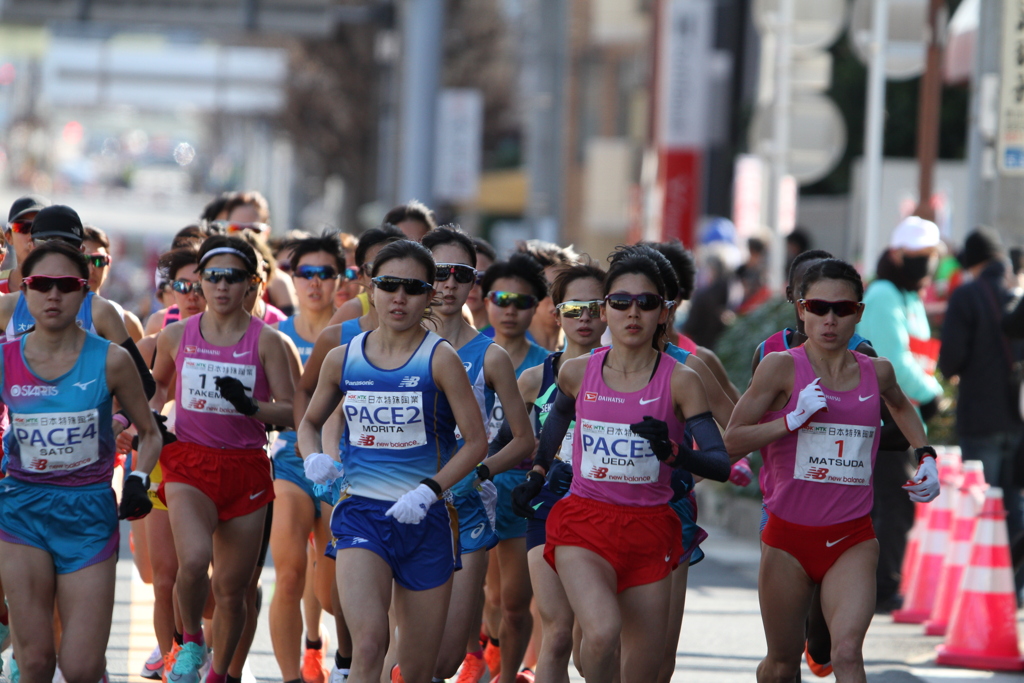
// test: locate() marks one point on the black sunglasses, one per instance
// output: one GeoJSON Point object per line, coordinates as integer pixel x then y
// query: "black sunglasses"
{"type": "Point", "coordinates": [840, 308]}
{"type": "Point", "coordinates": [187, 287]}
{"type": "Point", "coordinates": [506, 299]}
{"type": "Point", "coordinates": [621, 301]}
{"type": "Point", "coordinates": [411, 286]}
{"type": "Point", "coordinates": [65, 283]}
{"type": "Point", "coordinates": [98, 260]}
{"type": "Point", "coordinates": [463, 274]}
{"type": "Point", "coordinates": [232, 276]}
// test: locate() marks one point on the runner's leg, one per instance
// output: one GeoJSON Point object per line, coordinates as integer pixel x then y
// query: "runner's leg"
{"type": "Point", "coordinates": [644, 612]}
{"type": "Point", "coordinates": [516, 592]}
{"type": "Point", "coordinates": [364, 587]}
{"type": "Point", "coordinates": [848, 603]}
{"type": "Point", "coordinates": [556, 618]}
{"type": "Point", "coordinates": [30, 571]}
{"type": "Point", "coordinates": [193, 519]}
{"type": "Point", "coordinates": [591, 594]}
{"type": "Point", "coordinates": [677, 605]}
{"type": "Point", "coordinates": [463, 624]}
{"type": "Point", "coordinates": [784, 593]}
{"type": "Point", "coordinates": [86, 600]}
{"type": "Point", "coordinates": [165, 568]}
{"type": "Point", "coordinates": [293, 519]}
{"type": "Point", "coordinates": [422, 613]}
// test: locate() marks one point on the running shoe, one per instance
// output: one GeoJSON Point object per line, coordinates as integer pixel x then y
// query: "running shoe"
{"type": "Point", "coordinates": [336, 675]}
{"type": "Point", "coordinates": [188, 665]}
{"type": "Point", "coordinates": [58, 675]}
{"type": "Point", "coordinates": [247, 675]}
{"type": "Point", "coordinates": [5, 638]}
{"type": "Point", "coordinates": [169, 659]}
{"type": "Point", "coordinates": [313, 666]}
{"type": "Point", "coordinates": [525, 676]}
{"type": "Point", "coordinates": [492, 655]}
{"type": "Point", "coordinates": [396, 675]}
{"type": "Point", "coordinates": [472, 670]}
{"type": "Point", "coordinates": [153, 669]}
{"type": "Point", "coordinates": [15, 676]}
{"type": "Point", "coordinates": [819, 670]}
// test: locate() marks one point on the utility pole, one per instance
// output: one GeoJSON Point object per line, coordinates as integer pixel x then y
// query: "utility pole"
{"type": "Point", "coordinates": [874, 134]}
{"type": "Point", "coordinates": [982, 127]}
{"type": "Point", "coordinates": [929, 104]}
{"type": "Point", "coordinates": [780, 137]}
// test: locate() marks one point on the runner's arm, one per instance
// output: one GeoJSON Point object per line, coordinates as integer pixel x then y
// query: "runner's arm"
{"type": "Point", "coordinates": [563, 412]}
{"type": "Point", "coordinates": [502, 378]}
{"type": "Point", "coordinates": [124, 383]}
{"type": "Point", "coordinates": [325, 399]}
{"type": "Point", "coordinates": [772, 381]}
{"type": "Point", "coordinates": [281, 366]}
{"type": "Point", "coordinates": [163, 364]}
{"type": "Point", "coordinates": [899, 405]}
{"type": "Point", "coordinates": [450, 377]}
{"type": "Point", "coordinates": [307, 383]}
{"type": "Point", "coordinates": [714, 363]}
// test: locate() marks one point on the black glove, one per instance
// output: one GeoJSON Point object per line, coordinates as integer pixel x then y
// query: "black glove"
{"type": "Point", "coordinates": [560, 478]}
{"type": "Point", "coordinates": [524, 493]}
{"type": "Point", "coordinates": [233, 391]}
{"type": "Point", "coordinates": [135, 502]}
{"type": "Point", "coordinates": [656, 432]}
{"type": "Point", "coordinates": [929, 409]}
{"type": "Point", "coordinates": [161, 422]}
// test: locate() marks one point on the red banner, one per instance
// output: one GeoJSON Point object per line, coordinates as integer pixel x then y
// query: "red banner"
{"type": "Point", "coordinates": [679, 177]}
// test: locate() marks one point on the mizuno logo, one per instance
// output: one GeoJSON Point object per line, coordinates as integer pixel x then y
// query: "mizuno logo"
{"type": "Point", "coordinates": [644, 402]}
{"type": "Point", "coordinates": [83, 385]}
{"type": "Point", "coordinates": [238, 354]}
{"type": "Point", "coordinates": [864, 398]}
{"type": "Point", "coordinates": [829, 544]}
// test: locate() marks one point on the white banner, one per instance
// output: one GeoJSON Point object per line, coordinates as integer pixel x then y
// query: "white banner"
{"type": "Point", "coordinates": [684, 72]}
{"type": "Point", "coordinates": [1010, 143]}
{"type": "Point", "coordinates": [460, 117]}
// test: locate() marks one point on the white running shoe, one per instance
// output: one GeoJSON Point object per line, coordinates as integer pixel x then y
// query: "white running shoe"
{"type": "Point", "coordinates": [336, 675]}
{"type": "Point", "coordinates": [153, 669]}
{"type": "Point", "coordinates": [58, 675]}
{"type": "Point", "coordinates": [247, 675]}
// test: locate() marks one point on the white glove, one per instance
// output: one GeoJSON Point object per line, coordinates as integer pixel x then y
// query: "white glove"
{"type": "Point", "coordinates": [489, 497]}
{"type": "Point", "coordinates": [412, 507]}
{"type": "Point", "coordinates": [321, 468]}
{"type": "Point", "coordinates": [810, 401]}
{"type": "Point", "coordinates": [924, 485]}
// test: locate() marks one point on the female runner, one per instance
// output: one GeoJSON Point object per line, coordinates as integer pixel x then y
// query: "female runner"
{"type": "Point", "coordinates": [615, 541]}
{"type": "Point", "coordinates": [405, 392]}
{"type": "Point", "coordinates": [819, 447]}
{"type": "Point", "coordinates": [228, 366]}
{"type": "Point", "coordinates": [490, 373]}
{"type": "Point", "coordinates": [316, 266]}
{"type": "Point", "coordinates": [58, 517]}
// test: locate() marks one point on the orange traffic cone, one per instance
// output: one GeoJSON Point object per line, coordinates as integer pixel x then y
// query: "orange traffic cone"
{"type": "Point", "coordinates": [982, 631]}
{"type": "Point", "coordinates": [913, 552]}
{"type": "Point", "coordinates": [920, 595]}
{"type": "Point", "coordinates": [970, 499]}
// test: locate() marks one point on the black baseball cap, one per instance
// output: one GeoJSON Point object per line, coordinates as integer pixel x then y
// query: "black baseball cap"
{"type": "Point", "coordinates": [58, 221]}
{"type": "Point", "coordinates": [28, 204]}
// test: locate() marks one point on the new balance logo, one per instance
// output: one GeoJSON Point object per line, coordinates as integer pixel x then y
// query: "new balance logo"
{"type": "Point", "coordinates": [409, 381]}
{"type": "Point", "coordinates": [83, 385]}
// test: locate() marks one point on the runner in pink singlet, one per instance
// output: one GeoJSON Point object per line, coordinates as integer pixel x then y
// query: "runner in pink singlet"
{"type": "Point", "coordinates": [614, 541]}
{"type": "Point", "coordinates": [815, 413]}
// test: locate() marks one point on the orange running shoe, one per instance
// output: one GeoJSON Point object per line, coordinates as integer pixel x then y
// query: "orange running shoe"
{"type": "Point", "coordinates": [396, 675]}
{"type": "Point", "coordinates": [472, 670]}
{"type": "Point", "coordinates": [170, 658]}
{"type": "Point", "coordinates": [313, 666]}
{"type": "Point", "coordinates": [492, 655]}
{"type": "Point", "coordinates": [819, 670]}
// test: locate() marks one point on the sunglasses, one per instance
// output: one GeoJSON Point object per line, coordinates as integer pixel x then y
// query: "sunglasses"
{"type": "Point", "coordinates": [505, 299]}
{"type": "Point", "coordinates": [351, 273]}
{"type": "Point", "coordinates": [411, 286]}
{"type": "Point", "coordinates": [646, 301]}
{"type": "Point", "coordinates": [21, 227]}
{"type": "Point", "coordinates": [463, 274]}
{"type": "Point", "coordinates": [575, 309]}
{"type": "Point", "coordinates": [98, 260]}
{"type": "Point", "coordinates": [232, 276]}
{"type": "Point", "coordinates": [822, 307]}
{"type": "Point", "coordinates": [320, 272]}
{"type": "Point", "coordinates": [65, 283]}
{"type": "Point", "coordinates": [284, 267]}
{"type": "Point", "coordinates": [231, 228]}
{"type": "Point", "coordinates": [187, 287]}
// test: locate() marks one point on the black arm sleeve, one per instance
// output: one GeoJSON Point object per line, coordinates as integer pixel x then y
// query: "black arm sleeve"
{"type": "Point", "coordinates": [501, 440]}
{"type": "Point", "coordinates": [712, 461]}
{"type": "Point", "coordinates": [555, 427]}
{"type": "Point", "coordinates": [148, 383]}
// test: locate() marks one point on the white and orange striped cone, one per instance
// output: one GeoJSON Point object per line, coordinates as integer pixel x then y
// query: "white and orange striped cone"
{"type": "Point", "coordinates": [969, 501]}
{"type": "Point", "coordinates": [913, 552]}
{"type": "Point", "coordinates": [982, 631]}
{"type": "Point", "coordinates": [920, 595]}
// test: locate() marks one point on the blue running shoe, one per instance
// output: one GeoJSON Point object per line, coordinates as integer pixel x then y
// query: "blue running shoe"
{"type": "Point", "coordinates": [189, 664]}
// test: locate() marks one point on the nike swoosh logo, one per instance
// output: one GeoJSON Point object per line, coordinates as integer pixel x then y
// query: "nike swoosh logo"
{"type": "Point", "coordinates": [864, 398]}
{"type": "Point", "coordinates": [829, 544]}
{"type": "Point", "coordinates": [239, 355]}
{"type": "Point", "coordinates": [644, 402]}
{"type": "Point", "coordinates": [537, 506]}
{"type": "Point", "coordinates": [257, 495]}
{"type": "Point", "coordinates": [83, 385]}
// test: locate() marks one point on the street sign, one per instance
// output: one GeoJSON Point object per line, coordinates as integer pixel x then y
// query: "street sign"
{"type": "Point", "coordinates": [817, 136]}
{"type": "Point", "coordinates": [460, 115]}
{"type": "Point", "coordinates": [1010, 142]}
{"type": "Point", "coordinates": [684, 72]}
{"type": "Point", "coordinates": [816, 23]}
{"type": "Point", "coordinates": [908, 33]}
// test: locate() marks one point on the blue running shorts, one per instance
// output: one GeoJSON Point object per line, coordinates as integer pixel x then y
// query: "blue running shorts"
{"type": "Point", "coordinates": [288, 466]}
{"type": "Point", "coordinates": [508, 524]}
{"type": "Point", "coordinates": [475, 532]}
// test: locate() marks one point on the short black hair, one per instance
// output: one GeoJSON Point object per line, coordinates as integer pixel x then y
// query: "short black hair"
{"type": "Point", "coordinates": [94, 234]}
{"type": "Point", "coordinates": [450, 234]}
{"type": "Point", "coordinates": [520, 266]}
{"type": "Point", "coordinates": [484, 247]}
{"type": "Point", "coordinates": [635, 261]}
{"type": "Point", "coordinates": [373, 237]}
{"type": "Point", "coordinates": [402, 249]}
{"type": "Point", "coordinates": [833, 269]}
{"type": "Point", "coordinates": [71, 253]}
{"type": "Point", "coordinates": [803, 257]}
{"type": "Point", "coordinates": [548, 254]}
{"type": "Point", "coordinates": [174, 260]}
{"type": "Point", "coordinates": [682, 263]}
{"type": "Point", "coordinates": [190, 234]}
{"type": "Point", "coordinates": [800, 239]}
{"type": "Point", "coordinates": [215, 206]}
{"type": "Point", "coordinates": [571, 274]}
{"type": "Point", "coordinates": [248, 254]}
{"type": "Point", "coordinates": [329, 242]}
{"type": "Point", "coordinates": [412, 211]}
{"type": "Point", "coordinates": [664, 266]}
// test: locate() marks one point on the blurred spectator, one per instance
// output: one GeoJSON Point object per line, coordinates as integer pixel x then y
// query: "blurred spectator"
{"type": "Point", "coordinates": [709, 306]}
{"type": "Point", "coordinates": [975, 349]}
{"type": "Point", "coordinates": [247, 207]}
{"type": "Point", "coordinates": [797, 242]}
{"type": "Point", "coordinates": [216, 208]}
{"type": "Point", "coordinates": [752, 276]}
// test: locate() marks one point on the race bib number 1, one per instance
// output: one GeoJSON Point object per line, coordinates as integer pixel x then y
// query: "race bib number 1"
{"type": "Point", "coordinates": [57, 442]}
{"type": "Point", "coordinates": [385, 419]}
{"type": "Point", "coordinates": [200, 394]}
{"type": "Point", "coordinates": [613, 453]}
{"type": "Point", "coordinates": [834, 454]}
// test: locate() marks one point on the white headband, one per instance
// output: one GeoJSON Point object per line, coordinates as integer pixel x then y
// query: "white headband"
{"type": "Point", "coordinates": [225, 250]}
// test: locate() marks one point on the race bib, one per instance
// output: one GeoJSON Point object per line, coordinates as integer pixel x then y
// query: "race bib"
{"type": "Point", "coordinates": [613, 453]}
{"type": "Point", "coordinates": [200, 394]}
{"type": "Point", "coordinates": [834, 454]}
{"type": "Point", "coordinates": [57, 442]}
{"type": "Point", "coordinates": [565, 451]}
{"type": "Point", "coordinates": [385, 419]}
